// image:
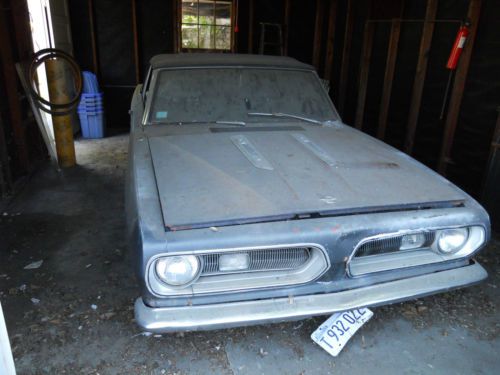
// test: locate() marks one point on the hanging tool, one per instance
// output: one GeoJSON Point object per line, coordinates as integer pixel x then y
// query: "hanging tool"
{"type": "Point", "coordinates": [451, 65]}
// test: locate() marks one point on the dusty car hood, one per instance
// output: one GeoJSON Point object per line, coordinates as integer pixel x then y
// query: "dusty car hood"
{"type": "Point", "coordinates": [221, 178]}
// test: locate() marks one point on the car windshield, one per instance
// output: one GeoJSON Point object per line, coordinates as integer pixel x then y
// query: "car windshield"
{"type": "Point", "coordinates": [232, 95]}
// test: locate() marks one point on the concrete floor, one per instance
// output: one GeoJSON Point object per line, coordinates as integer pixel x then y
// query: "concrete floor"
{"type": "Point", "coordinates": [74, 314]}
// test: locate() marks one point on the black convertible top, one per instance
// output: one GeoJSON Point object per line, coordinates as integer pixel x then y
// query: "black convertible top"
{"type": "Point", "coordinates": [224, 59]}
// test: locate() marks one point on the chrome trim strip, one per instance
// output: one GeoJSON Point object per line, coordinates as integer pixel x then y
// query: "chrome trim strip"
{"type": "Point", "coordinates": [251, 153]}
{"type": "Point", "coordinates": [226, 315]}
{"type": "Point", "coordinates": [315, 149]}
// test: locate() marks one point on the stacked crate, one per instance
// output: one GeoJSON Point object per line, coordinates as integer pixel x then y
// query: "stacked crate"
{"type": "Point", "coordinates": [91, 108]}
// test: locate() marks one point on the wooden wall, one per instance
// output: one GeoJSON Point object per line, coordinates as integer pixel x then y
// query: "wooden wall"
{"type": "Point", "coordinates": [329, 34]}
{"type": "Point", "coordinates": [21, 146]}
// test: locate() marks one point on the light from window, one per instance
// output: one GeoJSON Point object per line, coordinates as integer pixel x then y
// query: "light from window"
{"type": "Point", "coordinates": [206, 24]}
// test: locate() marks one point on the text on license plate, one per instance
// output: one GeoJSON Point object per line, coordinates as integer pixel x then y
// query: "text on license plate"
{"type": "Point", "coordinates": [333, 334]}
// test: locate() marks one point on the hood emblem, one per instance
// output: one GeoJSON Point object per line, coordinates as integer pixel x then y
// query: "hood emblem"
{"type": "Point", "coordinates": [329, 199]}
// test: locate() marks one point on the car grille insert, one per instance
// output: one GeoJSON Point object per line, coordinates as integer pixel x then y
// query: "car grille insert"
{"type": "Point", "coordinates": [260, 260]}
{"type": "Point", "coordinates": [390, 245]}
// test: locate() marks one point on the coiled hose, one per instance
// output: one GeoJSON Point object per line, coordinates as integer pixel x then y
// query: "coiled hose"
{"type": "Point", "coordinates": [55, 109]}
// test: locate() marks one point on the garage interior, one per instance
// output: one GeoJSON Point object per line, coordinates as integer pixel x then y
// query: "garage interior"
{"type": "Point", "coordinates": [385, 63]}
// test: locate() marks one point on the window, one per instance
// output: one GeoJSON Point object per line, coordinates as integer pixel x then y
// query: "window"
{"type": "Point", "coordinates": [206, 24]}
{"type": "Point", "coordinates": [228, 94]}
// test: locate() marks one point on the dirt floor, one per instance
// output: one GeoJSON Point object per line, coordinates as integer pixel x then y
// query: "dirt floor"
{"type": "Point", "coordinates": [74, 314]}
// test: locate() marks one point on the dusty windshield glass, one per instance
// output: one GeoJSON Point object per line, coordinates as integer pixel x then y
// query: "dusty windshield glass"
{"type": "Point", "coordinates": [230, 94]}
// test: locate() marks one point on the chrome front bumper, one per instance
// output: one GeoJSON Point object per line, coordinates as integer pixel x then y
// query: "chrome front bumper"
{"type": "Point", "coordinates": [225, 315]}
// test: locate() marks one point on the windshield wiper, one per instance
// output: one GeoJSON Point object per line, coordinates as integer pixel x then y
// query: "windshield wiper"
{"type": "Point", "coordinates": [237, 123]}
{"type": "Point", "coordinates": [332, 123]}
{"type": "Point", "coordinates": [221, 122]}
{"type": "Point", "coordinates": [285, 115]}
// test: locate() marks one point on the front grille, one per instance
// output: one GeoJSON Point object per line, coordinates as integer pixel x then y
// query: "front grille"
{"type": "Point", "coordinates": [260, 260]}
{"type": "Point", "coordinates": [388, 245]}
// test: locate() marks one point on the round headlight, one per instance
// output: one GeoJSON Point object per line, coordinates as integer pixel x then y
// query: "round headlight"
{"type": "Point", "coordinates": [452, 240]}
{"type": "Point", "coordinates": [178, 270]}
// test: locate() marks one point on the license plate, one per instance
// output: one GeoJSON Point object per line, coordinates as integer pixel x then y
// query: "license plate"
{"type": "Point", "coordinates": [333, 334]}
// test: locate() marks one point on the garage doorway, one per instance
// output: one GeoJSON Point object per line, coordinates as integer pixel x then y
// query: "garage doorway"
{"type": "Point", "coordinates": [50, 28]}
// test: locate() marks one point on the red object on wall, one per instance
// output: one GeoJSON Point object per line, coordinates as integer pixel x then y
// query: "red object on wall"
{"type": "Point", "coordinates": [458, 47]}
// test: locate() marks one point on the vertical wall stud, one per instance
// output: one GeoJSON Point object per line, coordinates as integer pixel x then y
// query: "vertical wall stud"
{"type": "Point", "coordinates": [366, 54]}
{"type": "Point", "coordinates": [346, 52]}
{"type": "Point", "coordinates": [93, 41]}
{"type": "Point", "coordinates": [458, 87]}
{"type": "Point", "coordinates": [286, 25]}
{"type": "Point", "coordinates": [390, 67]}
{"type": "Point", "coordinates": [11, 87]}
{"type": "Point", "coordinates": [5, 173]}
{"type": "Point", "coordinates": [330, 39]}
{"type": "Point", "coordinates": [418, 83]}
{"type": "Point", "coordinates": [318, 30]}
{"type": "Point", "coordinates": [137, 61]}
{"type": "Point", "coordinates": [251, 10]}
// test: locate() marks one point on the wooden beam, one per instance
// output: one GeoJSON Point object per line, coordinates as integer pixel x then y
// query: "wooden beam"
{"type": "Point", "coordinates": [93, 41]}
{"type": "Point", "coordinates": [22, 26]}
{"type": "Point", "coordinates": [286, 27]}
{"type": "Point", "coordinates": [330, 39]}
{"type": "Point", "coordinates": [346, 54]}
{"type": "Point", "coordinates": [234, 22]}
{"type": "Point", "coordinates": [135, 33]}
{"type": "Point", "coordinates": [390, 67]}
{"type": "Point", "coordinates": [5, 173]}
{"type": "Point", "coordinates": [363, 73]}
{"type": "Point", "coordinates": [11, 87]}
{"type": "Point", "coordinates": [420, 74]}
{"type": "Point", "coordinates": [487, 192]}
{"type": "Point", "coordinates": [176, 28]}
{"type": "Point", "coordinates": [495, 139]}
{"type": "Point", "coordinates": [251, 11]}
{"type": "Point", "coordinates": [318, 30]}
{"type": "Point", "coordinates": [458, 87]}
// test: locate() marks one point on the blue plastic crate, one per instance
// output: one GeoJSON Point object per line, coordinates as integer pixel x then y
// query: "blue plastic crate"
{"type": "Point", "coordinates": [90, 84]}
{"type": "Point", "coordinates": [91, 98]}
{"type": "Point", "coordinates": [92, 124]}
{"type": "Point", "coordinates": [91, 107]}
{"type": "Point", "coordinates": [87, 95]}
{"type": "Point", "coordinates": [91, 103]}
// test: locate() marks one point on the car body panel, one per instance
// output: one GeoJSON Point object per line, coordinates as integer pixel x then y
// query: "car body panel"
{"type": "Point", "coordinates": [205, 180]}
{"type": "Point", "coordinates": [190, 188]}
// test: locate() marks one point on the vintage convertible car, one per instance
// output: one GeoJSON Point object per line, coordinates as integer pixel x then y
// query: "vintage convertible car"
{"type": "Point", "coordinates": [249, 201]}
